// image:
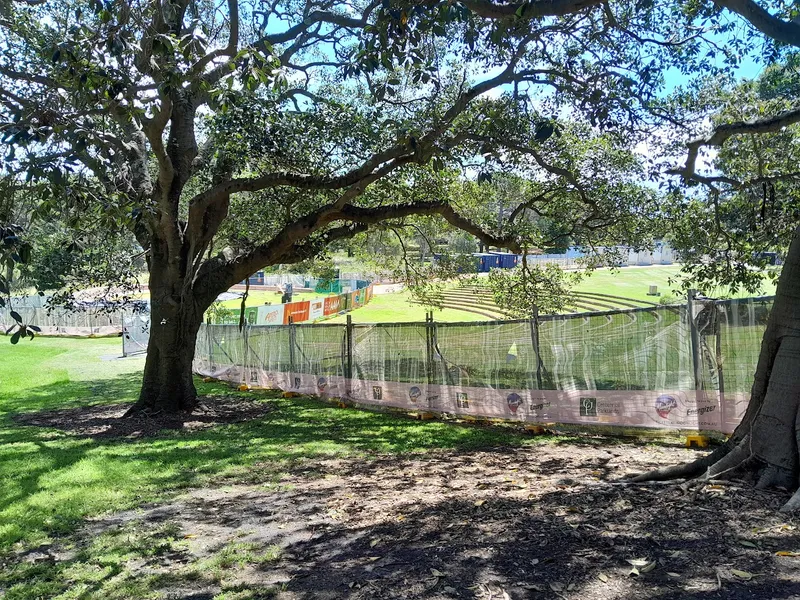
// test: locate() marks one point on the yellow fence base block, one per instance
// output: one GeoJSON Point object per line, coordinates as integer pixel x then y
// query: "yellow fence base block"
{"type": "Point", "coordinates": [341, 404]}
{"type": "Point", "coordinates": [208, 379]}
{"type": "Point", "coordinates": [701, 441]}
{"type": "Point", "coordinates": [290, 395]}
{"type": "Point", "coordinates": [535, 429]}
{"type": "Point", "coordinates": [424, 416]}
{"type": "Point", "coordinates": [244, 387]}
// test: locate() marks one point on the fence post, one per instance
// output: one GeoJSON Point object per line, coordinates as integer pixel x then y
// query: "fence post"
{"type": "Point", "coordinates": [695, 340]}
{"type": "Point", "coordinates": [349, 342]}
{"type": "Point", "coordinates": [292, 342]}
{"type": "Point", "coordinates": [429, 346]}
{"type": "Point", "coordinates": [535, 343]}
{"type": "Point", "coordinates": [718, 349]}
{"type": "Point", "coordinates": [210, 339]}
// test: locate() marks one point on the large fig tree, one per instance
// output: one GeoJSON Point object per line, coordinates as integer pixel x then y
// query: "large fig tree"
{"type": "Point", "coordinates": [230, 136]}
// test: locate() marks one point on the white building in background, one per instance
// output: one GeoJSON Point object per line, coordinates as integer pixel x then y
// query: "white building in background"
{"type": "Point", "coordinates": [662, 254]}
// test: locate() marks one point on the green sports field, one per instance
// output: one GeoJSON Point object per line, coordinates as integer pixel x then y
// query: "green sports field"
{"type": "Point", "coordinates": [631, 283]}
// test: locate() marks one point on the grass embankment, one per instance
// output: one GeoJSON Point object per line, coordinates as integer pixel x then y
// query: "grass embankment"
{"type": "Point", "coordinates": [52, 480]}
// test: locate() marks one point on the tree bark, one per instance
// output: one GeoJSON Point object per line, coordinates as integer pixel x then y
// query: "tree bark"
{"type": "Point", "coordinates": [767, 441]}
{"type": "Point", "coordinates": [175, 319]}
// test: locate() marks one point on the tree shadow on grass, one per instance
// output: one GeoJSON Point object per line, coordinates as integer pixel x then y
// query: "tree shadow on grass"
{"type": "Point", "coordinates": [53, 479]}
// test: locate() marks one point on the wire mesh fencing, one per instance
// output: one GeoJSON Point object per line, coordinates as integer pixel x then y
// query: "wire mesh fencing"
{"type": "Point", "coordinates": [63, 321]}
{"type": "Point", "coordinates": [676, 367]}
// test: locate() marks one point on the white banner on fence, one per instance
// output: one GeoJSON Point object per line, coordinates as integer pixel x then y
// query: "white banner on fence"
{"type": "Point", "coordinates": [316, 309]}
{"type": "Point", "coordinates": [270, 314]}
{"type": "Point", "coordinates": [709, 411]}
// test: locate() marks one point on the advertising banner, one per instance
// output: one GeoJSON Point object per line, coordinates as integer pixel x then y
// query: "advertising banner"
{"type": "Point", "coordinates": [331, 305]}
{"type": "Point", "coordinates": [296, 311]}
{"type": "Point", "coordinates": [270, 314]}
{"type": "Point", "coordinates": [359, 298]}
{"type": "Point", "coordinates": [316, 309]}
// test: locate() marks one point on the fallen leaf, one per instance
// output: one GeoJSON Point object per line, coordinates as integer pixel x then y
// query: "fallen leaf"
{"type": "Point", "coordinates": [570, 587]}
{"type": "Point", "coordinates": [638, 562]}
{"type": "Point", "coordinates": [634, 571]}
{"type": "Point", "coordinates": [747, 543]}
{"type": "Point", "coordinates": [674, 574]}
{"type": "Point", "coordinates": [556, 586]}
{"type": "Point", "coordinates": [742, 574]}
{"type": "Point", "coordinates": [450, 590]}
{"type": "Point", "coordinates": [648, 567]}
{"type": "Point", "coordinates": [374, 542]}
{"type": "Point", "coordinates": [437, 573]}
{"type": "Point", "coordinates": [479, 502]}
{"type": "Point", "coordinates": [787, 553]}
{"type": "Point", "coordinates": [603, 577]}
{"type": "Point", "coordinates": [189, 536]}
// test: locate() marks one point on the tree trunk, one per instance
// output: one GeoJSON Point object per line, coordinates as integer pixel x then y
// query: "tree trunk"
{"type": "Point", "coordinates": [175, 319]}
{"type": "Point", "coordinates": [767, 441]}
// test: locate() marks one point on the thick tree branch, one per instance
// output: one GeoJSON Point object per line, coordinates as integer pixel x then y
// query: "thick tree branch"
{"type": "Point", "coordinates": [528, 10]}
{"type": "Point", "coordinates": [721, 133]}
{"type": "Point", "coordinates": [787, 32]}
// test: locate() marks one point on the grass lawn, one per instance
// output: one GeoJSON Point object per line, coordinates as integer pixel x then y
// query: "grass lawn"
{"type": "Point", "coordinates": [53, 481]}
{"type": "Point", "coordinates": [634, 282]}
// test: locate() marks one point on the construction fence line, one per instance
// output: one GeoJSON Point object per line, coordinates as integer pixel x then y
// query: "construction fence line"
{"type": "Point", "coordinates": [678, 367]}
{"type": "Point", "coordinates": [61, 321]}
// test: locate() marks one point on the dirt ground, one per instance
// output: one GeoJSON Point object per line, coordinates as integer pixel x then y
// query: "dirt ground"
{"type": "Point", "coordinates": [550, 521]}
{"type": "Point", "coordinates": [105, 420]}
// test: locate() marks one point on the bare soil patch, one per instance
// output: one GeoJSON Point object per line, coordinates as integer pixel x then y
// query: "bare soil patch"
{"type": "Point", "coordinates": [106, 420]}
{"type": "Point", "coordinates": [547, 521]}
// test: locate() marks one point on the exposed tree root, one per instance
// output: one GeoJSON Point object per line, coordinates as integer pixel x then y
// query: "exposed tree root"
{"type": "Point", "coordinates": [774, 476]}
{"type": "Point", "coordinates": [793, 504]}
{"type": "Point", "coordinates": [685, 470]}
{"type": "Point", "coordinates": [737, 457]}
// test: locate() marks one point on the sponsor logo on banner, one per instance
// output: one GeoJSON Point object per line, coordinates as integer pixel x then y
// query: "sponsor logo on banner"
{"type": "Point", "coordinates": [322, 383]}
{"type": "Point", "coordinates": [462, 401]}
{"type": "Point", "coordinates": [514, 401]}
{"type": "Point", "coordinates": [253, 376]}
{"type": "Point", "coordinates": [588, 407]}
{"type": "Point", "coordinates": [414, 394]}
{"type": "Point", "coordinates": [541, 404]}
{"type": "Point", "coordinates": [296, 383]}
{"type": "Point", "coordinates": [665, 404]}
{"type": "Point", "coordinates": [700, 410]}
{"type": "Point", "coordinates": [377, 392]}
